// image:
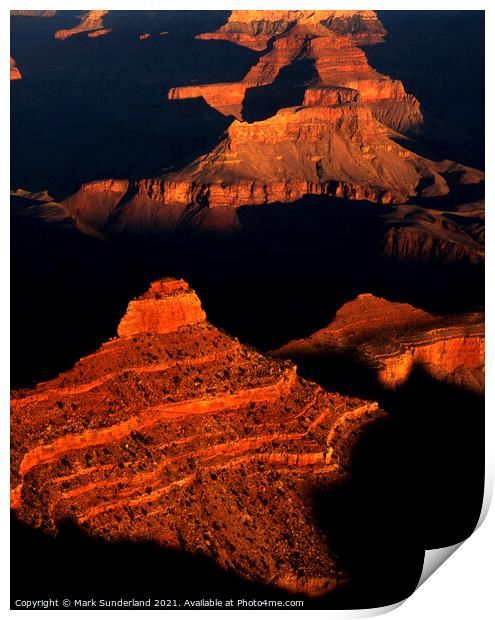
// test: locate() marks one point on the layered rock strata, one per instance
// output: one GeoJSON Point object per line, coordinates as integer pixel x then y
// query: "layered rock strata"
{"type": "Point", "coordinates": [165, 307]}
{"type": "Point", "coordinates": [178, 434]}
{"type": "Point", "coordinates": [393, 338]}
{"type": "Point", "coordinates": [337, 151]}
{"type": "Point", "coordinates": [326, 38]}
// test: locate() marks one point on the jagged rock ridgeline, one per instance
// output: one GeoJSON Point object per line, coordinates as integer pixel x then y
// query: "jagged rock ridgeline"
{"type": "Point", "coordinates": [392, 338]}
{"type": "Point", "coordinates": [253, 26]}
{"type": "Point", "coordinates": [176, 433]}
{"type": "Point", "coordinates": [15, 74]}
{"type": "Point", "coordinates": [337, 151]}
{"type": "Point", "coordinates": [326, 38]}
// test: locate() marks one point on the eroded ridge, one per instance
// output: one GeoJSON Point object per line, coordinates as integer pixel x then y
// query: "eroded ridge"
{"type": "Point", "coordinates": [329, 40]}
{"type": "Point", "coordinates": [393, 338]}
{"type": "Point", "coordinates": [90, 22]}
{"type": "Point", "coordinates": [339, 151]}
{"type": "Point", "coordinates": [324, 150]}
{"type": "Point", "coordinates": [187, 438]}
{"type": "Point", "coordinates": [342, 138]}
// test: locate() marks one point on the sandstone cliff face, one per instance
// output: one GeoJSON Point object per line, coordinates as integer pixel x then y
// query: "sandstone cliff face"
{"type": "Point", "coordinates": [393, 338]}
{"type": "Point", "coordinates": [165, 307]}
{"type": "Point", "coordinates": [407, 233]}
{"type": "Point", "coordinates": [15, 74]}
{"type": "Point", "coordinates": [185, 437]}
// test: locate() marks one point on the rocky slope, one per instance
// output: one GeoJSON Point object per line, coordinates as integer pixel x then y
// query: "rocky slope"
{"type": "Point", "coordinates": [40, 206]}
{"type": "Point", "coordinates": [392, 338]}
{"type": "Point", "coordinates": [176, 433]}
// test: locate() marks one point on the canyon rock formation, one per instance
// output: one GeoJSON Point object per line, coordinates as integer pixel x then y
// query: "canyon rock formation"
{"type": "Point", "coordinates": [90, 22]}
{"type": "Point", "coordinates": [280, 162]}
{"type": "Point", "coordinates": [432, 235]}
{"type": "Point", "coordinates": [328, 40]}
{"type": "Point", "coordinates": [165, 307]}
{"type": "Point", "coordinates": [341, 140]}
{"type": "Point", "coordinates": [15, 74]}
{"type": "Point", "coordinates": [176, 433]}
{"type": "Point", "coordinates": [392, 338]}
{"type": "Point", "coordinates": [339, 151]}
{"type": "Point", "coordinates": [254, 29]}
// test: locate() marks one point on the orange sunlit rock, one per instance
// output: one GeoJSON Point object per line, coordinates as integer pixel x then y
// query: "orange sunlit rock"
{"type": "Point", "coordinates": [189, 439]}
{"type": "Point", "coordinates": [90, 22]}
{"type": "Point", "coordinates": [166, 306]}
{"type": "Point", "coordinates": [15, 74]}
{"type": "Point", "coordinates": [394, 338]}
{"type": "Point", "coordinates": [329, 39]}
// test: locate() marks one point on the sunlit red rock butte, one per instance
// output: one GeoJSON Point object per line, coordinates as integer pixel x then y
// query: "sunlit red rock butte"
{"type": "Point", "coordinates": [176, 433]}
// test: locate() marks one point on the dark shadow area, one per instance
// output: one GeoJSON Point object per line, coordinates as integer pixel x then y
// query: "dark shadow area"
{"type": "Point", "coordinates": [68, 293]}
{"type": "Point", "coordinates": [373, 521]}
{"type": "Point", "coordinates": [426, 465]}
{"type": "Point", "coordinates": [282, 275]}
{"type": "Point", "coordinates": [77, 566]}
{"type": "Point", "coordinates": [285, 91]}
{"type": "Point", "coordinates": [290, 267]}
{"type": "Point", "coordinates": [458, 195]}
{"type": "Point", "coordinates": [92, 108]}
{"type": "Point", "coordinates": [429, 51]}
